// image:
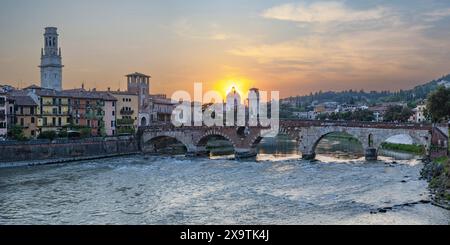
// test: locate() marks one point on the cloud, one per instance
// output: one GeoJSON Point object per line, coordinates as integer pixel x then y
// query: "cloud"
{"type": "Point", "coordinates": [185, 28]}
{"type": "Point", "coordinates": [384, 53]}
{"type": "Point", "coordinates": [322, 12]}
{"type": "Point", "coordinates": [437, 15]}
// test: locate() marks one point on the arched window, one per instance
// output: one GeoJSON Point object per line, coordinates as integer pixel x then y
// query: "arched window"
{"type": "Point", "coordinates": [144, 121]}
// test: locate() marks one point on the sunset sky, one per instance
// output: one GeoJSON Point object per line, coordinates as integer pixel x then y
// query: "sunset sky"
{"type": "Point", "coordinates": [294, 47]}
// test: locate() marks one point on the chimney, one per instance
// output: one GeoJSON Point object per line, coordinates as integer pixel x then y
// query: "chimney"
{"type": "Point", "coordinates": [109, 89]}
{"type": "Point", "coordinates": [82, 86]}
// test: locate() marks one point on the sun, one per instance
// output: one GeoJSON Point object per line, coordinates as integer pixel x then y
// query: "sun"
{"type": "Point", "coordinates": [225, 86]}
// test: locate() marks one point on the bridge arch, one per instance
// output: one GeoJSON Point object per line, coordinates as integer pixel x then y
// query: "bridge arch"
{"type": "Point", "coordinates": [216, 143]}
{"type": "Point", "coordinates": [359, 142]}
{"type": "Point", "coordinates": [148, 140]}
{"type": "Point", "coordinates": [288, 131]}
{"type": "Point", "coordinates": [417, 138]}
{"type": "Point", "coordinates": [282, 145]}
{"type": "Point", "coordinates": [203, 139]}
{"type": "Point", "coordinates": [309, 139]}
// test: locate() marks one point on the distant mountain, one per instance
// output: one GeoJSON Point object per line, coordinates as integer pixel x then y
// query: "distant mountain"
{"type": "Point", "coordinates": [412, 96]}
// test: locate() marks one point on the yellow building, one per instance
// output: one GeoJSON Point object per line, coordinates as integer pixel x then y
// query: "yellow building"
{"type": "Point", "coordinates": [26, 114]}
{"type": "Point", "coordinates": [54, 108]}
{"type": "Point", "coordinates": [127, 111]}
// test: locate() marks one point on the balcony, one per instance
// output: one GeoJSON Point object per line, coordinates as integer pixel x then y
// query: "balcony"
{"type": "Point", "coordinates": [126, 112]}
{"type": "Point", "coordinates": [56, 104]}
{"type": "Point", "coordinates": [50, 114]}
{"type": "Point", "coordinates": [121, 122]}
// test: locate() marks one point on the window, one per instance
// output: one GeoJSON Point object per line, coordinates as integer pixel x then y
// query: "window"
{"type": "Point", "coordinates": [59, 121]}
{"type": "Point", "coordinates": [88, 123]}
{"type": "Point", "coordinates": [113, 113]}
{"type": "Point", "coordinates": [21, 122]}
{"type": "Point", "coordinates": [53, 121]}
{"type": "Point", "coordinates": [32, 120]}
{"type": "Point", "coordinates": [112, 124]}
{"type": "Point", "coordinates": [55, 111]}
{"type": "Point", "coordinates": [32, 133]}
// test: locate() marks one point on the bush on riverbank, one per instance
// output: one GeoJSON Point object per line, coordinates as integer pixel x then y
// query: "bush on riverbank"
{"type": "Point", "coordinates": [437, 173]}
{"type": "Point", "coordinates": [416, 149]}
{"type": "Point", "coordinates": [51, 135]}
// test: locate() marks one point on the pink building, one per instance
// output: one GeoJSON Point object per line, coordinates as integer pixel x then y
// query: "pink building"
{"type": "Point", "coordinates": [109, 117]}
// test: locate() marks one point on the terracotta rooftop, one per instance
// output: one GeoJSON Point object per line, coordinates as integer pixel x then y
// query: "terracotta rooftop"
{"type": "Point", "coordinates": [83, 94]}
{"type": "Point", "coordinates": [22, 100]}
{"type": "Point", "coordinates": [123, 93]}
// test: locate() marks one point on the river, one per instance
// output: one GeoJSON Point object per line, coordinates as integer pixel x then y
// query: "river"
{"type": "Point", "coordinates": [277, 189]}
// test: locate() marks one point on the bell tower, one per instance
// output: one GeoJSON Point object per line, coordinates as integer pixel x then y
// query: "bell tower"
{"type": "Point", "coordinates": [51, 61]}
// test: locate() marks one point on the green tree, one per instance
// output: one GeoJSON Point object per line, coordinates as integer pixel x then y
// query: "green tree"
{"type": "Point", "coordinates": [63, 133]}
{"type": "Point", "coordinates": [438, 104]}
{"type": "Point", "coordinates": [16, 133]}
{"type": "Point", "coordinates": [85, 132]}
{"type": "Point", "coordinates": [398, 113]}
{"type": "Point", "coordinates": [51, 135]}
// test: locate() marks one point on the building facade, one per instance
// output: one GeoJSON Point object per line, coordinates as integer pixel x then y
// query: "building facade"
{"type": "Point", "coordinates": [26, 114]}
{"type": "Point", "coordinates": [87, 111]}
{"type": "Point", "coordinates": [51, 61]}
{"type": "Point", "coordinates": [127, 111]}
{"type": "Point", "coordinates": [3, 115]}
{"type": "Point", "coordinates": [160, 109]}
{"type": "Point", "coordinates": [54, 109]}
{"type": "Point", "coordinates": [419, 115]}
{"type": "Point", "coordinates": [109, 117]}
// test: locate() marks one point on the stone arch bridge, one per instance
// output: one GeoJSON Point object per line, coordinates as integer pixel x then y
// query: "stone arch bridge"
{"type": "Point", "coordinates": [306, 133]}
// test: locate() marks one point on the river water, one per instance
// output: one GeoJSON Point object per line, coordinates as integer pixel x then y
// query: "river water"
{"type": "Point", "coordinates": [277, 189]}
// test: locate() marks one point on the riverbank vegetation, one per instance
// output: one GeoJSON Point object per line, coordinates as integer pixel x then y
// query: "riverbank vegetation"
{"type": "Point", "coordinates": [415, 149]}
{"type": "Point", "coordinates": [437, 173]}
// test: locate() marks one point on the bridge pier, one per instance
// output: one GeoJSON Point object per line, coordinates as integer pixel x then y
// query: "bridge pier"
{"type": "Point", "coordinates": [309, 156]}
{"type": "Point", "coordinates": [371, 154]}
{"type": "Point", "coordinates": [245, 153]}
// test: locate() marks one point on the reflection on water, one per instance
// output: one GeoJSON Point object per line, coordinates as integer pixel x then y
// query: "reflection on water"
{"type": "Point", "coordinates": [278, 189]}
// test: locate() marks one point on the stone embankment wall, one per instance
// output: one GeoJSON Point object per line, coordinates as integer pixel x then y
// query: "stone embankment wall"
{"type": "Point", "coordinates": [46, 151]}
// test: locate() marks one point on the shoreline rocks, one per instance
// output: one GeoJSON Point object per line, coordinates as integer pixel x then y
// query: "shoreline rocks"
{"type": "Point", "coordinates": [438, 176]}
